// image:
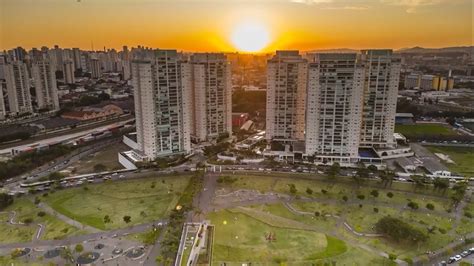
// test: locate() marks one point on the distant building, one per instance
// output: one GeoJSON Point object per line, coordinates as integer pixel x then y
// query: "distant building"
{"type": "Point", "coordinates": [286, 97]}
{"type": "Point", "coordinates": [238, 119]}
{"type": "Point", "coordinates": [45, 85]}
{"type": "Point", "coordinates": [96, 70]}
{"type": "Point", "coordinates": [18, 88]}
{"type": "Point", "coordinates": [429, 82]}
{"type": "Point", "coordinates": [68, 71]}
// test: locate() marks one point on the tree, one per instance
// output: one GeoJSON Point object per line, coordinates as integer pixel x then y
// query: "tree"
{"type": "Point", "coordinates": [107, 219]}
{"type": "Point", "coordinates": [100, 167]}
{"type": "Point", "coordinates": [334, 170]}
{"type": "Point", "coordinates": [79, 248]}
{"type": "Point", "coordinates": [399, 230]}
{"type": "Point", "coordinates": [374, 193]}
{"type": "Point", "coordinates": [419, 181]}
{"type": "Point", "coordinates": [372, 168]}
{"type": "Point", "coordinates": [309, 191]}
{"type": "Point", "coordinates": [5, 200]}
{"type": "Point", "coordinates": [127, 219]}
{"type": "Point", "coordinates": [54, 176]}
{"type": "Point", "coordinates": [387, 178]}
{"type": "Point", "coordinates": [430, 206]}
{"type": "Point", "coordinates": [459, 190]}
{"type": "Point", "coordinates": [293, 189]}
{"type": "Point", "coordinates": [441, 184]}
{"type": "Point", "coordinates": [413, 205]}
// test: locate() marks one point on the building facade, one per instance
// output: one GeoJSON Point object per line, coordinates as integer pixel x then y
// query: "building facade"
{"type": "Point", "coordinates": [381, 79]}
{"type": "Point", "coordinates": [208, 76]}
{"type": "Point", "coordinates": [45, 85]}
{"type": "Point", "coordinates": [161, 103]}
{"type": "Point", "coordinates": [286, 97]}
{"type": "Point", "coordinates": [18, 88]}
{"type": "Point", "coordinates": [334, 107]}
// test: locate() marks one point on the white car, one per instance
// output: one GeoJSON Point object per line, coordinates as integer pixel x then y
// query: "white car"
{"type": "Point", "coordinates": [457, 258]}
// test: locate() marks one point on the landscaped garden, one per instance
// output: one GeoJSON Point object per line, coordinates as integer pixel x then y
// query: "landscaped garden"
{"type": "Point", "coordinates": [117, 204]}
{"type": "Point", "coordinates": [340, 208]}
{"type": "Point", "coordinates": [29, 215]}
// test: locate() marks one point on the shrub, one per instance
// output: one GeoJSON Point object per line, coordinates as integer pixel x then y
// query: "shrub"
{"type": "Point", "coordinates": [430, 206]}
{"type": "Point", "coordinates": [5, 200]}
{"type": "Point", "coordinates": [390, 194]}
{"type": "Point", "coordinates": [442, 230]}
{"type": "Point", "coordinates": [345, 198]}
{"type": "Point", "coordinates": [37, 201]}
{"type": "Point", "coordinates": [41, 213]}
{"type": "Point", "coordinates": [376, 210]}
{"type": "Point", "coordinates": [413, 205]}
{"type": "Point", "coordinates": [309, 191]}
{"type": "Point", "coordinates": [79, 248]}
{"type": "Point", "coordinates": [28, 220]}
{"type": "Point", "coordinates": [360, 205]}
{"type": "Point", "coordinates": [317, 214]}
{"type": "Point", "coordinates": [468, 214]}
{"type": "Point", "coordinates": [392, 256]}
{"type": "Point", "coordinates": [361, 197]}
{"type": "Point", "coordinates": [324, 191]}
{"type": "Point", "coordinates": [374, 193]}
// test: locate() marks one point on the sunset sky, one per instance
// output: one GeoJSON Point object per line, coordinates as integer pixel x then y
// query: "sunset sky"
{"type": "Point", "coordinates": [208, 25]}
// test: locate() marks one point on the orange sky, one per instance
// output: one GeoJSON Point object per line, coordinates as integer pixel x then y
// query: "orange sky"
{"type": "Point", "coordinates": [194, 25]}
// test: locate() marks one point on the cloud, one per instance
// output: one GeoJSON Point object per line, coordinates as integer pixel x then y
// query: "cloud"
{"type": "Point", "coordinates": [412, 6]}
{"type": "Point", "coordinates": [331, 4]}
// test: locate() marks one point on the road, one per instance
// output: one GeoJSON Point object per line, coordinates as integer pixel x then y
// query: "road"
{"type": "Point", "coordinates": [65, 134]}
{"type": "Point", "coordinates": [58, 164]}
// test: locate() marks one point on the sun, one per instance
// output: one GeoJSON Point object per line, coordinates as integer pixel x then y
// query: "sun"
{"type": "Point", "coordinates": [250, 37]}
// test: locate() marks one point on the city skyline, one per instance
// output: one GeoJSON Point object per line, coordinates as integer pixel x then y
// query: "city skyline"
{"type": "Point", "coordinates": [276, 24]}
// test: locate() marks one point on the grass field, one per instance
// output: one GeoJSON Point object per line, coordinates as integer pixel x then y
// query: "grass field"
{"type": "Point", "coordinates": [240, 237]}
{"type": "Point", "coordinates": [107, 157]}
{"type": "Point", "coordinates": [24, 208]}
{"type": "Point", "coordinates": [321, 189]}
{"type": "Point", "coordinates": [144, 200]}
{"type": "Point", "coordinates": [463, 158]}
{"type": "Point", "coordinates": [418, 131]}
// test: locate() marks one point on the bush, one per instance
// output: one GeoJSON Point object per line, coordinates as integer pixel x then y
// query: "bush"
{"type": "Point", "coordinates": [360, 205]}
{"type": "Point", "coordinates": [361, 197]}
{"type": "Point", "coordinates": [41, 213]}
{"type": "Point", "coordinates": [37, 201]}
{"type": "Point", "coordinates": [317, 214]}
{"type": "Point", "coordinates": [392, 256]}
{"type": "Point", "coordinates": [293, 189]}
{"type": "Point", "coordinates": [442, 230]}
{"type": "Point", "coordinates": [376, 210]}
{"type": "Point", "coordinates": [324, 191]}
{"type": "Point", "coordinates": [413, 205]}
{"type": "Point", "coordinates": [79, 248]}
{"type": "Point", "coordinates": [28, 220]}
{"type": "Point", "coordinates": [374, 193]}
{"type": "Point", "coordinates": [468, 214]}
{"type": "Point", "coordinates": [5, 200]}
{"type": "Point", "coordinates": [309, 191]}
{"type": "Point", "coordinates": [345, 198]}
{"type": "Point", "coordinates": [390, 194]}
{"type": "Point", "coordinates": [430, 206]}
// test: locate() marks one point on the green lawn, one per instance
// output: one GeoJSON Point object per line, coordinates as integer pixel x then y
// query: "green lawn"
{"type": "Point", "coordinates": [55, 228]}
{"type": "Point", "coordinates": [463, 158]}
{"type": "Point", "coordinates": [240, 237]}
{"type": "Point", "coordinates": [424, 130]}
{"type": "Point", "coordinates": [144, 200]}
{"type": "Point", "coordinates": [337, 190]}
